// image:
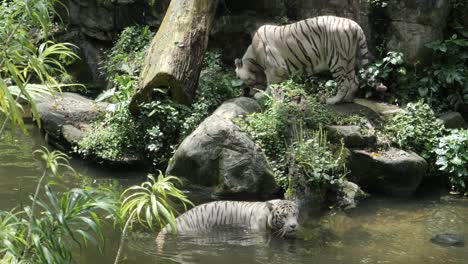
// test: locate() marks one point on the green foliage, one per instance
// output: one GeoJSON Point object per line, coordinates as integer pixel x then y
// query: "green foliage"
{"type": "Point", "coordinates": [121, 135]}
{"type": "Point", "coordinates": [318, 160]}
{"type": "Point", "coordinates": [46, 237]}
{"type": "Point", "coordinates": [73, 216]}
{"type": "Point", "coordinates": [12, 233]}
{"type": "Point", "coordinates": [128, 53]}
{"type": "Point", "coordinates": [162, 123]}
{"type": "Point", "coordinates": [117, 137]}
{"type": "Point", "coordinates": [268, 129]}
{"type": "Point", "coordinates": [215, 86]}
{"type": "Point", "coordinates": [273, 130]}
{"type": "Point", "coordinates": [447, 76]}
{"type": "Point", "coordinates": [28, 54]}
{"type": "Point", "coordinates": [153, 201]}
{"type": "Point", "coordinates": [452, 158]}
{"type": "Point", "coordinates": [417, 129]}
{"type": "Point", "coordinates": [124, 87]}
{"type": "Point", "coordinates": [389, 71]}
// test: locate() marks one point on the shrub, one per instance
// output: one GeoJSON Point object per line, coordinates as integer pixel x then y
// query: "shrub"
{"type": "Point", "coordinates": [452, 157]}
{"type": "Point", "coordinates": [276, 130]}
{"type": "Point", "coordinates": [318, 160]}
{"type": "Point", "coordinates": [128, 53]}
{"type": "Point", "coordinates": [389, 71]}
{"type": "Point", "coordinates": [417, 129]}
{"type": "Point", "coordinates": [29, 56]}
{"type": "Point", "coordinates": [152, 134]}
{"type": "Point", "coordinates": [268, 131]}
{"type": "Point", "coordinates": [215, 86]}
{"type": "Point", "coordinates": [445, 83]}
{"type": "Point", "coordinates": [162, 122]}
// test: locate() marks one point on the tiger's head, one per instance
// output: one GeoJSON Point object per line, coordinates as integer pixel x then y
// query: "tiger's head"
{"type": "Point", "coordinates": [282, 219]}
{"type": "Point", "coordinates": [249, 71]}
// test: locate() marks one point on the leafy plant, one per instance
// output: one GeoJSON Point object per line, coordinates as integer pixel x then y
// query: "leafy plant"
{"type": "Point", "coordinates": [215, 86]}
{"type": "Point", "coordinates": [389, 71]}
{"type": "Point", "coordinates": [44, 237]}
{"type": "Point", "coordinates": [319, 161]}
{"type": "Point", "coordinates": [446, 80]}
{"type": "Point", "coordinates": [452, 158]}
{"type": "Point", "coordinates": [152, 201]}
{"type": "Point", "coordinates": [268, 131]}
{"type": "Point", "coordinates": [128, 53]}
{"type": "Point", "coordinates": [28, 54]}
{"type": "Point", "coordinates": [286, 107]}
{"type": "Point", "coordinates": [417, 129]}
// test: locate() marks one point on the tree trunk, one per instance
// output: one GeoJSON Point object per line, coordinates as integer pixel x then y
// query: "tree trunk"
{"type": "Point", "coordinates": [176, 53]}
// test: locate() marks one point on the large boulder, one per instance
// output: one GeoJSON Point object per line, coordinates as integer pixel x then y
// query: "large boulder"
{"type": "Point", "coordinates": [347, 195]}
{"type": "Point", "coordinates": [453, 120]}
{"type": "Point", "coordinates": [352, 136]}
{"type": "Point", "coordinates": [219, 154]}
{"type": "Point", "coordinates": [393, 172]}
{"type": "Point", "coordinates": [66, 118]}
{"type": "Point", "coordinates": [413, 24]}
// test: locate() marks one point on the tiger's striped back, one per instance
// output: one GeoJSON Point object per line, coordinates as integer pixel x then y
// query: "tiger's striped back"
{"type": "Point", "coordinates": [220, 213]}
{"type": "Point", "coordinates": [310, 46]}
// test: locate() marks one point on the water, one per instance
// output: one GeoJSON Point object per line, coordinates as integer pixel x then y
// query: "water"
{"type": "Point", "coordinates": [381, 230]}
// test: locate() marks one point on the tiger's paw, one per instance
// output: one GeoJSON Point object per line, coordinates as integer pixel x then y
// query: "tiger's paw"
{"type": "Point", "coordinates": [332, 100]}
{"type": "Point", "coordinates": [348, 99]}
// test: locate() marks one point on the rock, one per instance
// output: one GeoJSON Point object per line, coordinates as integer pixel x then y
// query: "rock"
{"type": "Point", "coordinates": [386, 111]}
{"type": "Point", "coordinates": [73, 134]}
{"type": "Point", "coordinates": [66, 117]}
{"type": "Point", "coordinates": [101, 20]}
{"type": "Point", "coordinates": [234, 31]}
{"type": "Point", "coordinates": [347, 195]}
{"type": "Point", "coordinates": [393, 172]}
{"type": "Point", "coordinates": [93, 20]}
{"type": "Point", "coordinates": [415, 23]}
{"type": "Point", "coordinates": [453, 120]}
{"type": "Point", "coordinates": [448, 239]}
{"type": "Point", "coordinates": [351, 135]}
{"type": "Point", "coordinates": [220, 155]}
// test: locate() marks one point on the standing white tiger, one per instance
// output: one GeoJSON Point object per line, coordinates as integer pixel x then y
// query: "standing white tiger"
{"type": "Point", "coordinates": [309, 46]}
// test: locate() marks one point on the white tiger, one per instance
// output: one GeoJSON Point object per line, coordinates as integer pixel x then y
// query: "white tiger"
{"type": "Point", "coordinates": [309, 46]}
{"type": "Point", "coordinates": [276, 216]}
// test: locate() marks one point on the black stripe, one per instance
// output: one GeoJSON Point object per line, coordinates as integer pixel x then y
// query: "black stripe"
{"type": "Point", "coordinates": [297, 40]}
{"type": "Point", "coordinates": [304, 52]}
{"type": "Point", "coordinates": [292, 64]}
{"type": "Point", "coordinates": [312, 38]}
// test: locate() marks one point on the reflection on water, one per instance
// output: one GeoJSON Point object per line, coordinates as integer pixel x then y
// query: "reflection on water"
{"type": "Point", "coordinates": [379, 231]}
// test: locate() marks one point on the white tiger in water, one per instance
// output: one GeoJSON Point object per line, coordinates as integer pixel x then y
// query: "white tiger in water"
{"type": "Point", "coordinates": [276, 216]}
{"type": "Point", "coordinates": [309, 46]}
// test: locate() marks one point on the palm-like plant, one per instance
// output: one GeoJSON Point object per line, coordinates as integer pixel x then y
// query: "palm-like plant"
{"type": "Point", "coordinates": [12, 240]}
{"type": "Point", "coordinates": [28, 55]}
{"type": "Point", "coordinates": [74, 216]}
{"type": "Point", "coordinates": [153, 202]}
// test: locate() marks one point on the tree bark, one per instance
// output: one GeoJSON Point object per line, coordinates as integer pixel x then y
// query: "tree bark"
{"type": "Point", "coordinates": [176, 53]}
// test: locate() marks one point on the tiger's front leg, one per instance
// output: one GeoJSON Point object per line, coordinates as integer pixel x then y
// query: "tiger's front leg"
{"type": "Point", "coordinates": [343, 84]}
{"type": "Point", "coordinates": [275, 76]}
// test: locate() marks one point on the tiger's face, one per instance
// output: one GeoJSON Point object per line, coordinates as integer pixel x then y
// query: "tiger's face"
{"type": "Point", "coordinates": [250, 73]}
{"type": "Point", "coordinates": [283, 217]}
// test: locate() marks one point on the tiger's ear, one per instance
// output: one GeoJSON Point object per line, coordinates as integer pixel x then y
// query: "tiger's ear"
{"type": "Point", "coordinates": [238, 63]}
{"type": "Point", "coordinates": [271, 205]}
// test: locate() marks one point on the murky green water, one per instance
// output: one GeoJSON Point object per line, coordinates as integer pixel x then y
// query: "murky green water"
{"type": "Point", "coordinates": [381, 230]}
